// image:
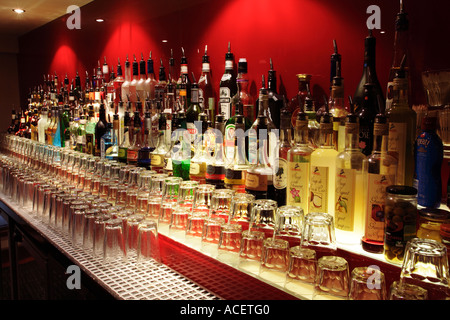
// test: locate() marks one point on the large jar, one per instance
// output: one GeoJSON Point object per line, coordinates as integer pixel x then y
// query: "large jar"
{"type": "Point", "coordinates": [430, 221]}
{"type": "Point", "coordinates": [400, 221]}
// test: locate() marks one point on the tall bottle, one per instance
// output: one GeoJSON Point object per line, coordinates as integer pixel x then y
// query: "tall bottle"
{"type": "Point", "coordinates": [275, 100]}
{"type": "Point", "coordinates": [90, 131]}
{"type": "Point", "coordinates": [197, 169]}
{"type": "Point", "coordinates": [144, 153]}
{"type": "Point", "coordinates": [381, 173]}
{"type": "Point", "coordinates": [110, 140]}
{"type": "Point", "coordinates": [161, 86]}
{"type": "Point", "coordinates": [42, 125]}
{"type": "Point", "coordinates": [350, 187]}
{"type": "Point", "coordinates": [81, 134]}
{"type": "Point", "coordinates": [205, 87]}
{"type": "Point", "coordinates": [243, 95]}
{"type": "Point", "coordinates": [184, 83]}
{"type": "Point", "coordinates": [323, 169]}
{"type": "Point", "coordinates": [281, 165]}
{"type": "Point", "coordinates": [181, 150]}
{"type": "Point", "coordinates": [338, 110]}
{"type": "Point", "coordinates": [65, 127]}
{"type": "Point", "coordinates": [157, 157]}
{"type": "Point", "coordinates": [193, 111]}
{"type": "Point", "coordinates": [215, 168]}
{"type": "Point", "coordinates": [141, 88]}
{"type": "Point", "coordinates": [151, 82]}
{"type": "Point", "coordinates": [125, 143]}
{"type": "Point", "coordinates": [125, 88]}
{"type": "Point", "coordinates": [100, 129]}
{"type": "Point", "coordinates": [402, 129]}
{"type": "Point", "coordinates": [133, 149]}
{"type": "Point", "coordinates": [134, 81]}
{"type": "Point", "coordinates": [369, 75]}
{"type": "Point", "coordinates": [227, 85]}
{"type": "Point", "coordinates": [118, 81]}
{"type": "Point", "coordinates": [299, 165]}
{"type": "Point", "coordinates": [366, 115]}
{"type": "Point", "coordinates": [401, 49]}
{"type": "Point", "coordinates": [429, 155]}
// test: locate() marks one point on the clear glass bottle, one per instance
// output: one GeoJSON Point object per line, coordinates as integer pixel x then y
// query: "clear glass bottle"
{"type": "Point", "coordinates": [281, 165]}
{"type": "Point", "coordinates": [206, 92]}
{"type": "Point", "coordinates": [81, 134]}
{"type": "Point", "coordinates": [298, 101]}
{"type": "Point", "coordinates": [141, 88]}
{"type": "Point", "coordinates": [381, 173]}
{"type": "Point", "coordinates": [197, 168]}
{"type": "Point", "coordinates": [313, 125]}
{"type": "Point", "coordinates": [299, 165]}
{"type": "Point", "coordinates": [158, 161]}
{"type": "Point", "coordinates": [125, 88]}
{"type": "Point", "coordinates": [133, 149]}
{"type": "Point", "coordinates": [227, 85]}
{"type": "Point", "coordinates": [193, 111]}
{"type": "Point", "coordinates": [338, 110]}
{"type": "Point", "coordinates": [161, 86]}
{"type": "Point", "coordinates": [110, 145]}
{"type": "Point", "coordinates": [151, 82]}
{"type": "Point", "coordinates": [125, 143]}
{"type": "Point", "coordinates": [215, 168]}
{"type": "Point", "coordinates": [118, 81]}
{"type": "Point", "coordinates": [350, 192]}
{"type": "Point", "coordinates": [243, 96]}
{"type": "Point", "coordinates": [42, 125]}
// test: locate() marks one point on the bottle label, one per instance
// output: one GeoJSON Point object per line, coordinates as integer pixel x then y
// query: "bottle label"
{"type": "Point", "coordinates": [397, 148]}
{"type": "Point", "coordinates": [298, 178]}
{"type": "Point", "coordinates": [229, 141]}
{"type": "Point", "coordinates": [344, 196]}
{"type": "Point", "coordinates": [376, 198]}
{"type": "Point", "coordinates": [205, 67]}
{"type": "Point", "coordinates": [157, 159]}
{"type": "Point", "coordinates": [319, 189]}
{"type": "Point", "coordinates": [280, 176]}
{"type": "Point", "coordinates": [234, 177]}
{"type": "Point", "coordinates": [225, 102]}
{"type": "Point", "coordinates": [365, 139]}
{"type": "Point", "coordinates": [215, 172]}
{"type": "Point", "coordinates": [122, 153]}
{"type": "Point", "coordinates": [132, 155]}
{"type": "Point", "coordinates": [229, 64]}
{"type": "Point", "coordinates": [256, 182]}
{"type": "Point", "coordinates": [192, 129]}
{"type": "Point", "coordinates": [102, 148]}
{"type": "Point", "coordinates": [184, 69]}
{"type": "Point", "coordinates": [252, 147]}
{"type": "Point", "coordinates": [198, 169]}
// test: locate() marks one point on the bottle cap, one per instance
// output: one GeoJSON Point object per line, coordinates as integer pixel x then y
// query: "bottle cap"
{"type": "Point", "coordinates": [435, 214]}
{"type": "Point", "coordinates": [401, 190]}
{"type": "Point", "coordinates": [242, 65]}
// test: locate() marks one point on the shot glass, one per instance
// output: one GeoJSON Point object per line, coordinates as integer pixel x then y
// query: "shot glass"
{"type": "Point", "coordinates": [250, 250]}
{"type": "Point", "coordinates": [148, 243]}
{"type": "Point", "coordinates": [211, 234]}
{"type": "Point", "coordinates": [78, 224]}
{"type": "Point", "coordinates": [318, 231]}
{"type": "Point", "coordinates": [274, 260]}
{"type": "Point", "coordinates": [229, 244]}
{"type": "Point", "coordinates": [178, 222]}
{"type": "Point", "coordinates": [263, 216]}
{"type": "Point", "coordinates": [301, 273]}
{"type": "Point", "coordinates": [114, 249]}
{"type": "Point", "coordinates": [241, 209]}
{"type": "Point", "coordinates": [367, 283]}
{"type": "Point", "coordinates": [332, 279]}
{"type": "Point", "coordinates": [99, 234]}
{"type": "Point", "coordinates": [400, 290]}
{"type": "Point", "coordinates": [194, 228]}
{"type": "Point", "coordinates": [88, 228]}
{"type": "Point", "coordinates": [131, 234]}
{"type": "Point", "coordinates": [186, 194]}
{"type": "Point", "coordinates": [426, 261]}
{"type": "Point", "coordinates": [221, 203]}
{"type": "Point", "coordinates": [202, 198]}
{"type": "Point", "coordinates": [289, 224]}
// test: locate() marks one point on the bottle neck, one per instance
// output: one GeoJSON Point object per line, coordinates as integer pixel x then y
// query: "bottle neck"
{"type": "Point", "coordinates": [400, 93]}
{"type": "Point", "coordinates": [352, 136]}
{"type": "Point", "coordinates": [301, 132]}
{"type": "Point", "coordinates": [326, 135]}
{"type": "Point", "coordinates": [380, 138]}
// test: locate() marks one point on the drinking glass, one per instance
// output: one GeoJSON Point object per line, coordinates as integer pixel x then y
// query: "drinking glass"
{"type": "Point", "coordinates": [229, 244]}
{"type": "Point", "coordinates": [114, 249]}
{"type": "Point", "coordinates": [148, 243]}
{"type": "Point", "coordinates": [131, 234]}
{"type": "Point", "coordinates": [250, 250]}
{"type": "Point", "coordinates": [289, 223]}
{"type": "Point", "coordinates": [332, 279]}
{"type": "Point", "coordinates": [400, 290]}
{"type": "Point", "coordinates": [274, 260]}
{"type": "Point", "coordinates": [221, 203]}
{"type": "Point", "coordinates": [301, 273]}
{"type": "Point", "coordinates": [318, 231]}
{"type": "Point", "coordinates": [212, 229]}
{"type": "Point", "coordinates": [263, 216]}
{"type": "Point", "coordinates": [367, 283]}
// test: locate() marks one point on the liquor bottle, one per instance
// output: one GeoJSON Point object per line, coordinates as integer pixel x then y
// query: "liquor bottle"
{"type": "Point", "coordinates": [11, 129]}
{"type": "Point", "coordinates": [235, 170]}
{"type": "Point", "coordinates": [134, 81]}
{"type": "Point", "coordinates": [183, 84]}
{"type": "Point", "coordinates": [81, 134]}
{"type": "Point", "coordinates": [161, 86]}
{"type": "Point", "coordinates": [229, 138]}
{"type": "Point", "coordinates": [112, 145]}
{"type": "Point", "coordinates": [74, 122]}
{"type": "Point", "coordinates": [381, 173]}
{"type": "Point", "coordinates": [350, 188]}
{"type": "Point", "coordinates": [51, 129]}
{"type": "Point", "coordinates": [42, 125]}
{"type": "Point", "coordinates": [197, 169]}
{"type": "Point", "coordinates": [338, 110]}
{"type": "Point", "coordinates": [181, 150]}
{"type": "Point", "coordinates": [227, 85]}
{"type": "Point", "coordinates": [172, 76]}
{"type": "Point", "coordinates": [169, 106]}
{"type": "Point", "coordinates": [297, 103]}
{"type": "Point", "coordinates": [118, 81]}
{"type": "Point", "coordinates": [275, 100]}
{"type": "Point", "coordinates": [125, 143]}
{"type": "Point", "coordinates": [106, 141]}
{"type": "Point", "coordinates": [157, 157]}
{"type": "Point", "coordinates": [369, 75]}
{"type": "Point", "coordinates": [215, 167]}
{"type": "Point", "coordinates": [336, 60]}
{"type": "Point", "coordinates": [313, 125]}
{"type": "Point", "coordinates": [281, 166]}
{"type": "Point", "coordinates": [144, 153]}
{"type": "Point", "coordinates": [125, 88]}
{"type": "Point", "coordinates": [323, 169]}
{"type": "Point", "coordinates": [401, 48]}
{"type": "Point", "coordinates": [366, 115]}
{"type": "Point", "coordinates": [105, 71]}
{"type": "Point", "coordinates": [150, 83]}
{"type": "Point", "coordinates": [193, 111]}
{"type": "Point", "coordinates": [90, 131]}
{"type": "Point", "coordinates": [65, 127]}
{"type": "Point", "coordinates": [205, 85]}
{"type": "Point", "coordinates": [402, 129]}
{"type": "Point", "coordinates": [100, 129]}
{"type": "Point", "coordinates": [243, 95]}
{"type": "Point", "coordinates": [133, 149]}
{"type": "Point", "coordinates": [142, 90]}
{"type": "Point", "coordinates": [429, 155]}
{"type": "Point", "coordinates": [299, 165]}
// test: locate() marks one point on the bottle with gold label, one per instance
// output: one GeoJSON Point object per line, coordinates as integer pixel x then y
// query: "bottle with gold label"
{"type": "Point", "coordinates": [299, 165]}
{"type": "Point", "coordinates": [402, 129]}
{"type": "Point", "coordinates": [349, 195]}
{"type": "Point", "coordinates": [381, 173]}
{"type": "Point", "coordinates": [323, 169]}
{"type": "Point", "coordinates": [337, 109]}
{"type": "Point", "coordinates": [197, 169]}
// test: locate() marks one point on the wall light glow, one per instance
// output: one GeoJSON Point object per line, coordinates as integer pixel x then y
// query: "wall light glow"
{"type": "Point", "coordinates": [18, 11]}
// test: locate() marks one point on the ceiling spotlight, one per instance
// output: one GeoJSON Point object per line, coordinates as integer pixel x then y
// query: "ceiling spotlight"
{"type": "Point", "coordinates": [19, 11]}
{"type": "Point", "coordinates": [164, 41]}
{"type": "Point", "coordinates": [382, 31]}
{"type": "Point", "coordinates": [99, 20]}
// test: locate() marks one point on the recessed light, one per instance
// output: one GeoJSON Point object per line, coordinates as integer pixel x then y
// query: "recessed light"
{"type": "Point", "coordinates": [382, 31]}
{"type": "Point", "coordinates": [19, 11]}
{"type": "Point", "coordinates": [99, 20]}
{"type": "Point", "coordinates": [164, 41]}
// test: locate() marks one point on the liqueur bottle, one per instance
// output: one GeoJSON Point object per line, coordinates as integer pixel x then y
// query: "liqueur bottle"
{"type": "Point", "coordinates": [299, 165]}
{"type": "Point", "coordinates": [281, 166]}
{"type": "Point", "coordinates": [183, 83]}
{"type": "Point", "coordinates": [215, 168]}
{"type": "Point", "coordinates": [161, 86]}
{"type": "Point", "coordinates": [118, 81]}
{"type": "Point", "coordinates": [297, 103]}
{"type": "Point", "coordinates": [158, 161]}
{"type": "Point", "coordinates": [133, 149]}
{"type": "Point", "coordinates": [65, 127]}
{"type": "Point", "coordinates": [275, 100]}
{"type": "Point", "coordinates": [151, 82]}
{"type": "Point", "coordinates": [313, 125]}
{"type": "Point", "coordinates": [144, 153]}
{"type": "Point", "coordinates": [100, 129]}
{"type": "Point", "coordinates": [125, 143]}
{"type": "Point", "coordinates": [141, 88]}
{"type": "Point", "coordinates": [366, 115]}
{"type": "Point", "coordinates": [111, 144]}
{"type": "Point", "coordinates": [381, 173]}
{"type": "Point", "coordinates": [134, 81]}
{"type": "Point", "coordinates": [401, 48]}
{"type": "Point", "coordinates": [350, 192]}
{"type": "Point", "coordinates": [181, 150]}
{"type": "Point", "coordinates": [193, 111]}
{"type": "Point", "coordinates": [243, 96]}
{"type": "Point", "coordinates": [197, 169]}
{"type": "Point", "coordinates": [81, 134]}
{"type": "Point", "coordinates": [402, 129]}
{"type": "Point", "coordinates": [369, 75]}
{"type": "Point", "coordinates": [229, 138]}
{"type": "Point", "coordinates": [338, 110]}
{"type": "Point", "coordinates": [42, 125]}
{"type": "Point", "coordinates": [429, 156]}
{"type": "Point", "coordinates": [227, 85]}
{"type": "Point", "coordinates": [106, 141]}
{"type": "Point", "coordinates": [206, 96]}
{"type": "Point", "coordinates": [125, 88]}
{"type": "Point", "coordinates": [323, 169]}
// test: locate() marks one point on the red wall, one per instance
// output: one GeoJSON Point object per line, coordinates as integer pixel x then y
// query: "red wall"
{"type": "Point", "coordinates": [296, 34]}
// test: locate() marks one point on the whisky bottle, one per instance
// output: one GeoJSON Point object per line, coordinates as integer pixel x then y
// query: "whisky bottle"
{"type": "Point", "coordinates": [350, 188]}
{"type": "Point", "coordinates": [281, 166]}
{"type": "Point", "coordinates": [100, 129]}
{"type": "Point", "coordinates": [227, 85]}
{"type": "Point", "coordinates": [206, 96]}
{"type": "Point", "coordinates": [133, 149]}
{"type": "Point", "coordinates": [215, 168]}
{"type": "Point", "coordinates": [299, 165]}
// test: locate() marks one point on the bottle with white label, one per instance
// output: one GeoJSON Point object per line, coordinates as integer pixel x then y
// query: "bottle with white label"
{"type": "Point", "coordinates": [193, 111]}
{"type": "Point", "coordinates": [402, 129]}
{"type": "Point", "coordinates": [350, 192]}
{"type": "Point", "coordinates": [381, 173]}
{"type": "Point", "coordinates": [299, 165]}
{"type": "Point", "coordinates": [228, 85]}
{"type": "Point", "coordinates": [281, 165]}
{"type": "Point", "coordinates": [323, 169]}
{"type": "Point", "coordinates": [125, 87]}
